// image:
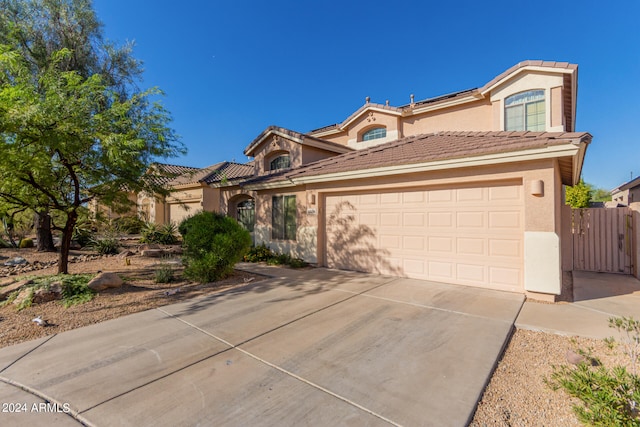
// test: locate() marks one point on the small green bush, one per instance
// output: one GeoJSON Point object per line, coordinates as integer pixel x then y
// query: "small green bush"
{"type": "Point", "coordinates": [165, 234]}
{"type": "Point", "coordinates": [106, 245]}
{"type": "Point", "coordinates": [213, 243]}
{"type": "Point", "coordinates": [164, 274]}
{"type": "Point", "coordinates": [26, 243]}
{"type": "Point", "coordinates": [129, 224]}
{"type": "Point", "coordinates": [259, 253]}
{"type": "Point", "coordinates": [262, 253]}
{"type": "Point", "coordinates": [610, 397]}
{"type": "Point", "coordinates": [297, 263]}
{"type": "Point", "coordinates": [75, 290]}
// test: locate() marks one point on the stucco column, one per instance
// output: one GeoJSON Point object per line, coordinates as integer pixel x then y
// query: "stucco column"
{"type": "Point", "coordinates": [542, 251]}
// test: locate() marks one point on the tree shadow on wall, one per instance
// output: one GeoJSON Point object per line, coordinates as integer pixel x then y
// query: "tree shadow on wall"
{"type": "Point", "coordinates": [353, 246]}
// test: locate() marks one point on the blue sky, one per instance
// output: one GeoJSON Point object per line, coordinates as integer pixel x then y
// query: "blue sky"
{"type": "Point", "coordinates": [232, 68]}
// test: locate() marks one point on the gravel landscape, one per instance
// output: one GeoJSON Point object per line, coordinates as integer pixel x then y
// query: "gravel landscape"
{"type": "Point", "coordinates": [515, 396]}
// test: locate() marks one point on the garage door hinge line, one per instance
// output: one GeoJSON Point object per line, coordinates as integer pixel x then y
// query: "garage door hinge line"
{"type": "Point", "coordinates": [284, 371]}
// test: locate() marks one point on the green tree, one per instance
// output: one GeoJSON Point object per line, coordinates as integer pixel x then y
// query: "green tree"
{"type": "Point", "coordinates": [66, 139]}
{"type": "Point", "coordinates": [38, 28]}
{"type": "Point", "coordinates": [579, 195]}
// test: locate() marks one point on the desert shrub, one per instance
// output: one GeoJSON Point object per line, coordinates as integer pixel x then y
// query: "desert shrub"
{"type": "Point", "coordinates": [129, 224]}
{"type": "Point", "coordinates": [165, 234]}
{"type": "Point", "coordinates": [609, 396]}
{"type": "Point", "coordinates": [26, 243]}
{"type": "Point", "coordinates": [164, 274]}
{"type": "Point", "coordinates": [213, 244]}
{"type": "Point", "coordinates": [83, 232]}
{"type": "Point", "coordinates": [106, 245]}
{"type": "Point", "coordinates": [259, 253]}
{"type": "Point", "coordinates": [75, 290]}
{"type": "Point", "coordinates": [262, 253]}
{"type": "Point", "coordinates": [297, 263]}
{"type": "Point", "coordinates": [4, 244]}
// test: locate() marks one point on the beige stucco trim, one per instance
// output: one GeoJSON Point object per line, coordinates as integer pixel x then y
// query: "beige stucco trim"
{"type": "Point", "coordinates": [547, 70]}
{"type": "Point", "coordinates": [490, 159]}
{"type": "Point", "coordinates": [367, 110]}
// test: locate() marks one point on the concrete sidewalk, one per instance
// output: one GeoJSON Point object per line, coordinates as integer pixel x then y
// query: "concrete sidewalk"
{"type": "Point", "coordinates": [304, 347]}
{"type": "Point", "coordinates": [597, 297]}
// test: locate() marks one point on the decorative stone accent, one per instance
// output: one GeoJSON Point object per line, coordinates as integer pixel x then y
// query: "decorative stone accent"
{"type": "Point", "coordinates": [43, 295]}
{"type": "Point", "coordinates": [153, 253]}
{"type": "Point", "coordinates": [16, 261]}
{"type": "Point", "coordinates": [5, 291]}
{"type": "Point", "coordinates": [104, 281]}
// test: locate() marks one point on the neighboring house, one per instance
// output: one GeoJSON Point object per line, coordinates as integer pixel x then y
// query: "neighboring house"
{"type": "Point", "coordinates": [626, 193]}
{"type": "Point", "coordinates": [465, 188]}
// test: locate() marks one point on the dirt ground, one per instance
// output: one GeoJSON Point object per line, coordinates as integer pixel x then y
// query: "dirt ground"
{"type": "Point", "coordinates": [515, 396]}
{"type": "Point", "coordinates": [139, 293]}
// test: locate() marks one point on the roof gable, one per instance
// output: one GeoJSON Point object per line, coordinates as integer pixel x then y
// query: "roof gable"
{"type": "Point", "coordinates": [296, 137]}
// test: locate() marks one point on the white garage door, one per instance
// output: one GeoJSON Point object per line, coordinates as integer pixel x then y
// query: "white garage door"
{"type": "Point", "coordinates": [471, 235]}
{"type": "Point", "coordinates": [177, 212]}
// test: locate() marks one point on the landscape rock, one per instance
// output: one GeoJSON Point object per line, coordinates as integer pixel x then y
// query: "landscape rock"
{"type": "Point", "coordinates": [153, 253]}
{"type": "Point", "coordinates": [574, 358]}
{"type": "Point", "coordinates": [16, 261]}
{"type": "Point", "coordinates": [24, 295]}
{"type": "Point", "coordinates": [104, 281]}
{"type": "Point", "coordinates": [43, 295]}
{"type": "Point", "coordinates": [126, 253]}
{"type": "Point", "coordinates": [148, 246]}
{"type": "Point", "coordinates": [5, 291]}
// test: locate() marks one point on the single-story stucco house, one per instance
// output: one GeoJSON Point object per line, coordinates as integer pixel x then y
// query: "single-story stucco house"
{"type": "Point", "coordinates": [465, 188]}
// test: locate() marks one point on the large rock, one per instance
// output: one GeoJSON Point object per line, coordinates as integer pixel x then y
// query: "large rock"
{"type": "Point", "coordinates": [104, 281]}
{"type": "Point", "coordinates": [153, 253]}
{"type": "Point", "coordinates": [24, 295]}
{"type": "Point", "coordinates": [43, 295]}
{"type": "Point", "coordinates": [5, 291]}
{"type": "Point", "coordinates": [16, 261]}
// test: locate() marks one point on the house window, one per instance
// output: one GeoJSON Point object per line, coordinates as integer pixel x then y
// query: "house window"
{"type": "Point", "coordinates": [525, 111]}
{"type": "Point", "coordinates": [374, 133]}
{"type": "Point", "coordinates": [283, 218]}
{"type": "Point", "coordinates": [246, 214]}
{"type": "Point", "coordinates": [280, 162]}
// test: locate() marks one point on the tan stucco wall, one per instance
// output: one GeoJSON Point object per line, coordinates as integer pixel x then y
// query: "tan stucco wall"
{"type": "Point", "coordinates": [305, 244]}
{"type": "Point", "coordinates": [271, 148]}
{"type": "Point", "coordinates": [370, 120]}
{"type": "Point", "coordinates": [474, 116]}
{"type": "Point", "coordinates": [529, 81]}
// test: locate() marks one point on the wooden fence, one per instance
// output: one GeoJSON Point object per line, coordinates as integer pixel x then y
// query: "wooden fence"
{"type": "Point", "coordinates": [602, 240]}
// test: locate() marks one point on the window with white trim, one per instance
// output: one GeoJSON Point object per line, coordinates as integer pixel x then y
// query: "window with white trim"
{"type": "Point", "coordinates": [525, 111]}
{"type": "Point", "coordinates": [374, 133]}
{"type": "Point", "coordinates": [283, 217]}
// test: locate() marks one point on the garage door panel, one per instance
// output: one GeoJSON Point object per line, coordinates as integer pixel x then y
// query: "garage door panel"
{"type": "Point", "coordinates": [471, 235]}
{"type": "Point", "coordinates": [471, 246]}
{"type": "Point", "coordinates": [505, 219]}
{"type": "Point", "coordinates": [470, 194]}
{"type": "Point", "coordinates": [436, 197]}
{"type": "Point", "coordinates": [413, 219]}
{"type": "Point", "coordinates": [505, 248]}
{"type": "Point", "coordinates": [440, 244]}
{"type": "Point", "coordinates": [471, 273]}
{"type": "Point", "coordinates": [470, 220]}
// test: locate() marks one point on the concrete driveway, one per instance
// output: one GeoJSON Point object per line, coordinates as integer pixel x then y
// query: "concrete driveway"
{"type": "Point", "coordinates": [312, 347]}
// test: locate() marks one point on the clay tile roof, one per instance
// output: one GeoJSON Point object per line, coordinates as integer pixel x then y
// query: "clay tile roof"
{"type": "Point", "coordinates": [214, 173]}
{"type": "Point", "coordinates": [162, 173]}
{"type": "Point", "coordinates": [430, 148]}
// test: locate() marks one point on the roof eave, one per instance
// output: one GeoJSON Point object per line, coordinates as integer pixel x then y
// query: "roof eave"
{"type": "Point", "coordinates": [554, 151]}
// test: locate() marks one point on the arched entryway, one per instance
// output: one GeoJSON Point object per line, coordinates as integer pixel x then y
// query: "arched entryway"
{"type": "Point", "coordinates": [243, 209]}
